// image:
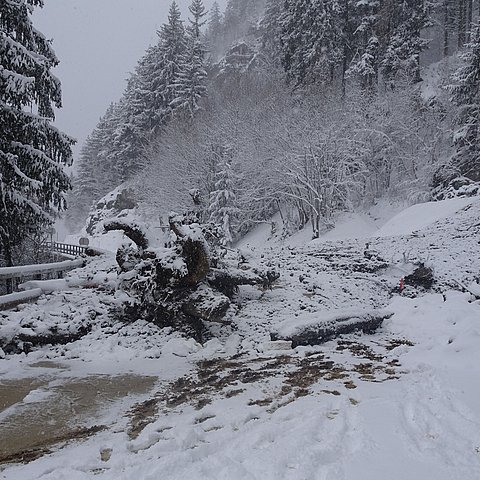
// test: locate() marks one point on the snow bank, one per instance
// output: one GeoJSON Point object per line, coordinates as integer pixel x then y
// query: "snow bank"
{"type": "Point", "coordinates": [49, 286]}
{"type": "Point", "coordinates": [423, 215]}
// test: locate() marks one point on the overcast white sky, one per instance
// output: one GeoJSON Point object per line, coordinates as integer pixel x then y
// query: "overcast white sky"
{"type": "Point", "coordinates": [98, 43]}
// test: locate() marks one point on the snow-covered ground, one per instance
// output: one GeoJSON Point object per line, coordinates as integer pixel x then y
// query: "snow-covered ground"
{"type": "Point", "coordinates": [399, 404]}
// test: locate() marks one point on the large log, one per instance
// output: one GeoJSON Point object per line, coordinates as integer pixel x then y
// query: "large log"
{"type": "Point", "coordinates": [334, 325]}
{"type": "Point", "coordinates": [227, 280]}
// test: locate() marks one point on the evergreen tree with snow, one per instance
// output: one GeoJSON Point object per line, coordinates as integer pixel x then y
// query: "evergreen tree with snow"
{"type": "Point", "coordinates": [191, 83]}
{"type": "Point", "coordinates": [95, 172]}
{"type": "Point", "coordinates": [311, 40]}
{"type": "Point", "coordinates": [222, 205]}
{"type": "Point", "coordinates": [466, 95]}
{"type": "Point", "coordinates": [215, 29]}
{"type": "Point", "coordinates": [365, 61]}
{"type": "Point", "coordinates": [241, 19]}
{"type": "Point", "coordinates": [198, 12]}
{"type": "Point", "coordinates": [405, 43]}
{"type": "Point", "coordinates": [271, 30]}
{"type": "Point", "coordinates": [33, 153]}
{"type": "Point", "coordinates": [171, 59]}
{"type": "Point", "coordinates": [130, 135]}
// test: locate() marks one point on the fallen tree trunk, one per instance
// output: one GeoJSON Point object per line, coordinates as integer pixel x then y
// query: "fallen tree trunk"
{"type": "Point", "coordinates": [227, 281]}
{"type": "Point", "coordinates": [316, 333]}
{"type": "Point", "coordinates": [24, 343]}
{"type": "Point", "coordinates": [175, 285]}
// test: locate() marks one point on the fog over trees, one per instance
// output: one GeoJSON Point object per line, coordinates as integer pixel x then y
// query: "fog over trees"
{"type": "Point", "coordinates": [302, 108]}
{"type": "Point", "coordinates": [307, 108]}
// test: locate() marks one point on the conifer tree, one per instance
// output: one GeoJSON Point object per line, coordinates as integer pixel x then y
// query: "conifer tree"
{"type": "Point", "coordinates": [466, 95]}
{"type": "Point", "coordinates": [171, 58]}
{"type": "Point", "coordinates": [271, 30]}
{"type": "Point", "coordinates": [214, 23]}
{"type": "Point", "coordinates": [365, 62]}
{"type": "Point", "coordinates": [130, 134]}
{"type": "Point", "coordinates": [191, 83]}
{"type": "Point", "coordinates": [240, 19]}
{"type": "Point", "coordinates": [96, 173]}
{"type": "Point", "coordinates": [33, 153]}
{"type": "Point", "coordinates": [311, 40]}
{"type": "Point", "coordinates": [198, 12]}
{"type": "Point", "coordinates": [449, 17]}
{"type": "Point", "coordinates": [222, 206]}
{"type": "Point", "coordinates": [410, 18]}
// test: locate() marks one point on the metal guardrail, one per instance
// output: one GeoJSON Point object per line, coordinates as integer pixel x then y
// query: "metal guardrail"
{"type": "Point", "coordinates": [65, 249]}
{"type": "Point", "coordinates": [12, 277]}
{"type": "Point", "coordinates": [24, 271]}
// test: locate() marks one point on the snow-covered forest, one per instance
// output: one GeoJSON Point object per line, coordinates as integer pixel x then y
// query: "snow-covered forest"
{"type": "Point", "coordinates": [307, 108]}
{"type": "Point", "coordinates": [272, 269]}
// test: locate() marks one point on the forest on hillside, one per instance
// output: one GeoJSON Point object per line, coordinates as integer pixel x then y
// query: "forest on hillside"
{"type": "Point", "coordinates": [302, 108]}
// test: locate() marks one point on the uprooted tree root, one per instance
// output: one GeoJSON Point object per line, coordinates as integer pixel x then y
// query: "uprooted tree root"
{"type": "Point", "coordinates": [183, 284]}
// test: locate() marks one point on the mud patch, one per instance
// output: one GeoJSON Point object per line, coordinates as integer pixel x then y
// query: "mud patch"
{"type": "Point", "coordinates": [49, 364]}
{"type": "Point", "coordinates": [33, 453]}
{"type": "Point", "coordinates": [287, 378]}
{"type": "Point", "coordinates": [140, 416]}
{"type": "Point", "coordinates": [398, 343]}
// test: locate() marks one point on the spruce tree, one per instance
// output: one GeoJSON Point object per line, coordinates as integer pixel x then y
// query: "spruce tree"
{"type": "Point", "coordinates": [96, 173]}
{"type": "Point", "coordinates": [240, 19]}
{"type": "Point", "coordinates": [311, 40]}
{"type": "Point", "coordinates": [130, 135]}
{"type": "Point", "coordinates": [271, 31]}
{"type": "Point", "coordinates": [171, 58]}
{"type": "Point", "coordinates": [191, 83]}
{"type": "Point", "coordinates": [405, 44]}
{"type": "Point", "coordinates": [466, 95]}
{"type": "Point", "coordinates": [365, 62]}
{"type": "Point", "coordinates": [198, 12]}
{"type": "Point", "coordinates": [214, 33]}
{"type": "Point", "coordinates": [214, 29]}
{"type": "Point", "coordinates": [33, 153]}
{"type": "Point", "coordinates": [222, 205]}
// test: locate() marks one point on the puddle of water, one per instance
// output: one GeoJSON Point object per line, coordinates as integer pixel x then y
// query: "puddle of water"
{"type": "Point", "coordinates": [60, 410]}
{"type": "Point", "coordinates": [14, 391]}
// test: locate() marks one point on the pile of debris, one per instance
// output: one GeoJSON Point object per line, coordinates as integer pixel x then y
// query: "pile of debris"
{"type": "Point", "coordinates": [186, 282]}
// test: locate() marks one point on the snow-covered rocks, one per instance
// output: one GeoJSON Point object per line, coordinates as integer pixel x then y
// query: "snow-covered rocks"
{"type": "Point", "coordinates": [115, 204]}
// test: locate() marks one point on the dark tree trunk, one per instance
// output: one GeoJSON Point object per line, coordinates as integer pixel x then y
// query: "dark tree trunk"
{"type": "Point", "coordinates": [469, 8]}
{"type": "Point", "coordinates": [346, 44]}
{"type": "Point", "coordinates": [446, 28]}
{"type": "Point", "coordinates": [7, 249]}
{"type": "Point", "coordinates": [462, 22]}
